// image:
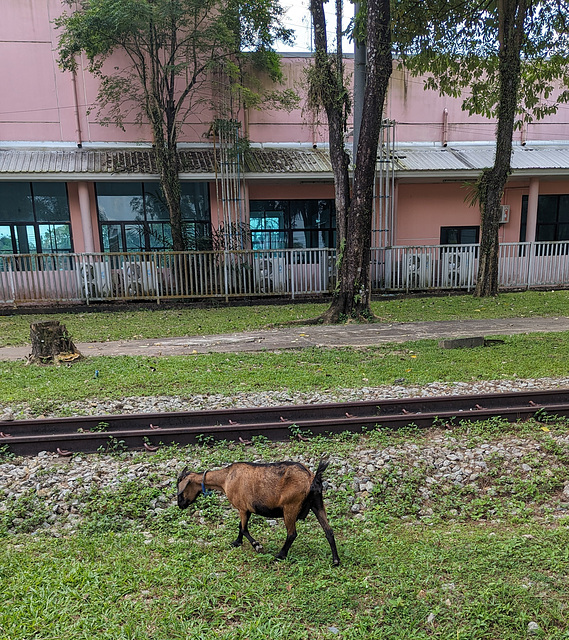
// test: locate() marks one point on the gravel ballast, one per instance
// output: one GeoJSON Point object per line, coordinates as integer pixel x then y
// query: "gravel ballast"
{"type": "Point", "coordinates": [439, 461]}
{"type": "Point", "coordinates": [157, 404]}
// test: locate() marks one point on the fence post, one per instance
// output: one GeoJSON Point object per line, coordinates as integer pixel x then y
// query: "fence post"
{"type": "Point", "coordinates": [531, 248]}
{"type": "Point", "coordinates": [12, 279]}
{"type": "Point", "coordinates": [292, 281]}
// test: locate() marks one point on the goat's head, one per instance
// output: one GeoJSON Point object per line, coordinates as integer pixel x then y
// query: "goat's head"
{"type": "Point", "coordinates": [189, 487]}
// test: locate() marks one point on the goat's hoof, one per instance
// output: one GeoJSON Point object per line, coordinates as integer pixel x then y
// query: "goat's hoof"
{"type": "Point", "coordinates": [336, 562]}
{"type": "Point", "coordinates": [279, 558]}
{"type": "Point", "coordinates": [258, 547]}
{"type": "Point", "coordinates": [236, 543]}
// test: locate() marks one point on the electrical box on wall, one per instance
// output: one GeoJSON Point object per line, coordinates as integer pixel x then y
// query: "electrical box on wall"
{"type": "Point", "coordinates": [505, 217]}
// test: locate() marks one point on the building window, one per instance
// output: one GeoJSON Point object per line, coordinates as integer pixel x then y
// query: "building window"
{"type": "Point", "coordinates": [552, 218]}
{"type": "Point", "coordinates": [133, 216]}
{"type": "Point", "coordinates": [460, 235]}
{"type": "Point", "coordinates": [34, 218]}
{"type": "Point", "coordinates": [292, 224]}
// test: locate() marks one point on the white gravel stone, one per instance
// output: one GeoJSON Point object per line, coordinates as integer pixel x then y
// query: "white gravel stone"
{"type": "Point", "coordinates": [61, 483]}
{"type": "Point", "coordinates": [153, 404]}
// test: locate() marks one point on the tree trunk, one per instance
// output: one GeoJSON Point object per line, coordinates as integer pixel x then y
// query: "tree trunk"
{"type": "Point", "coordinates": [511, 16]}
{"type": "Point", "coordinates": [51, 342]}
{"type": "Point", "coordinates": [169, 165]}
{"type": "Point", "coordinates": [353, 296]}
{"type": "Point", "coordinates": [168, 161]}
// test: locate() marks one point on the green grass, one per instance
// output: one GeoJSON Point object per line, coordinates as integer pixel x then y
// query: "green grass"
{"type": "Point", "coordinates": [127, 573]}
{"type": "Point", "coordinates": [478, 582]}
{"type": "Point", "coordinates": [522, 356]}
{"type": "Point", "coordinates": [125, 324]}
{"type": "Point", "coordinates": [130, 324]}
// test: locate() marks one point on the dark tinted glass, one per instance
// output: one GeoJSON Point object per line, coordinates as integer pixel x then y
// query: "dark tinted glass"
{"type": "Point", "coordinates": [50, 201]}
{"type": "Point", "coordinates": [16, 202]}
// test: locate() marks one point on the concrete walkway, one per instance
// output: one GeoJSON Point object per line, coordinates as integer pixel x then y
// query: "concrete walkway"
{"type": "Point", "coordinates": [351, 335]}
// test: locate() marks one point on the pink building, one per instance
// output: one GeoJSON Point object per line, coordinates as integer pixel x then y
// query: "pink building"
{"type": "Point", "coordinates": [68, 184]}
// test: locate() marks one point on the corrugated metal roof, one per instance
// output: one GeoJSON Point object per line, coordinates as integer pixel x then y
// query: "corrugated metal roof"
{"type": "Point", "coordinates": [427, 160]}
{"type": "Point", "coordinates": [271, 161]}
{"type": "Point", "coordinates": [543, 158]}
{"type": "Point", "coordinates": [476, 158]}
{"type": "Point", "coordinates": [143, 161]}
{"type": "Point", "coordinates": [288, 161]}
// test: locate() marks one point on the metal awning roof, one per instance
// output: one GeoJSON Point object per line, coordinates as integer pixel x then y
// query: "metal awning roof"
{"type": "Point", "coordinates": [199, 162]}
{"type": "Point", "coordinates": [473, 159]}
{"type": "Point", "coordinates": [269, 162]}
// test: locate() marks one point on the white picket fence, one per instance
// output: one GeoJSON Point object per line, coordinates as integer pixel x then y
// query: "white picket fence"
{"type": "Point", "coordinates": [96, 277]}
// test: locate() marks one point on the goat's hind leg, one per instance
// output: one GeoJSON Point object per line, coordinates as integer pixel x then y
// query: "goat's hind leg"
{"type": "Point", "coordinates": [244, 531]}
{"type": "Point", "coordinates": [320, 513]}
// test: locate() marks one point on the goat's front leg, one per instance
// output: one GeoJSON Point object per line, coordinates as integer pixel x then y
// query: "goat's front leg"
{"type": "Point", "coordinates": [244, 531]}
{"type": "Point", "coordinates": [290, 523]}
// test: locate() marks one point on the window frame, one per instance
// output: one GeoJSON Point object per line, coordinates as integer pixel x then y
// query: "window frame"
{"type": "Point", "coordinates": [146, 225]}
{"type": "Point", "coordinates": [17, 227]}
{"type": "Point", "coordinates": [286, 231]}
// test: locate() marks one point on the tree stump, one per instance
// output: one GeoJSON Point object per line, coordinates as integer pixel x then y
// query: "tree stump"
{"type": "Point", "coordinates": [51, 343]}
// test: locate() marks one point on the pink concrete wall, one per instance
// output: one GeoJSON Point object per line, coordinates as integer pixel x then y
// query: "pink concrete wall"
{"type": "Point", "coordinates": [39, 100]}
{"type": "Point", "coordinates": [422, 209]}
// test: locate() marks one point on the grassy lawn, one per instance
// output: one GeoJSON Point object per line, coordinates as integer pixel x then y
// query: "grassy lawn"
{"type": "Point", "coordinates": [482, 566]}
{"type": "Point", "coordinates": [522, 356]}
{"type": "Point", "coordinates": [396, 582]}
{"type": "Point", "coordinates": [479, 568]}
{"type": "Point", "coordinates": [129, 324]}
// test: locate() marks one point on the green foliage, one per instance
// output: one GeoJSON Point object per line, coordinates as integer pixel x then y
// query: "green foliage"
{"type": "Point", "coordinates": [129, 499]}
{"type": "Point", "coordinates": [23, 514]}
{"type": "Point", "coordinates": [457, 44]}
{"type": "Point", "coordinates": [171, 47]}
{"type": "Point", "coordinates": [5, 453]}
{"type": "Point", "coordinates": [114, 445]}
{"type": "Point", "coordinates": [100, 426]}
{"type": "Point", "coordinates": [327, 86]}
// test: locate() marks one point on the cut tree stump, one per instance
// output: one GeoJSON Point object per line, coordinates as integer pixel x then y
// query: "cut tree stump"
{"type": "Point", "coordinates": [51, 343]}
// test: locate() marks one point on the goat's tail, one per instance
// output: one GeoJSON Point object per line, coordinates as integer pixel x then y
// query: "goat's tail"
{"type": "Point", "coordinates": [314, 498]}
{"type": "Point", "coordinates": [316, 486]}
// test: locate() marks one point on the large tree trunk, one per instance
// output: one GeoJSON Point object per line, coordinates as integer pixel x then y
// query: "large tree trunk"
{"type": "Point", "coordinates": [51, 342]}
{"type": "Point", "coordinates": [169, 166]}
{"type": "Point", "coordinates": [511, 15]}
{"type": "Point", "coordinates": [353, 296]}
{"type": "Point", "coordinates": [164, 132]}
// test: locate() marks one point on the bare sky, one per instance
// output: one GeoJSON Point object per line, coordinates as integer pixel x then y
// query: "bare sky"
{"type": "Point", "coordinates": [298, 19]}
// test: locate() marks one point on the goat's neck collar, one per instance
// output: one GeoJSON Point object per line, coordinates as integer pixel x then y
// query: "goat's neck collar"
{"type": "Point", "coordinates": [204, 492]}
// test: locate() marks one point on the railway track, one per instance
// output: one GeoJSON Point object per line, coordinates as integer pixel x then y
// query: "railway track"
{"type": "Point", "coordinates": [152, 430]}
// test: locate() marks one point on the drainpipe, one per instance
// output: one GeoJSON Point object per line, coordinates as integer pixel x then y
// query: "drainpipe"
{"type": "Point", "coordinates": [78, 134]}
{"type": "Point", "coordinates": [445, 127]}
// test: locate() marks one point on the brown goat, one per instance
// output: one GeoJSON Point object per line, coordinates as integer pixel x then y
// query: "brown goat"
{"type": "Point", "coordinates": [277, 490]}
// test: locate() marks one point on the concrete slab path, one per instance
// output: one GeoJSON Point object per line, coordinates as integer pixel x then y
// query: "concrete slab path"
{"type": "Point", "coordinates": [301, 337]}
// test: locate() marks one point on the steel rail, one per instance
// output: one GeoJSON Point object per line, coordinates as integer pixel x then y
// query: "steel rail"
{"type": "Point", "coordinates": [151, 430]}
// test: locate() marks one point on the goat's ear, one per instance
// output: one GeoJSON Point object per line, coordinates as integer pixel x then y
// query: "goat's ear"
{"type": "Point", "coordinates": [183, 474]}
